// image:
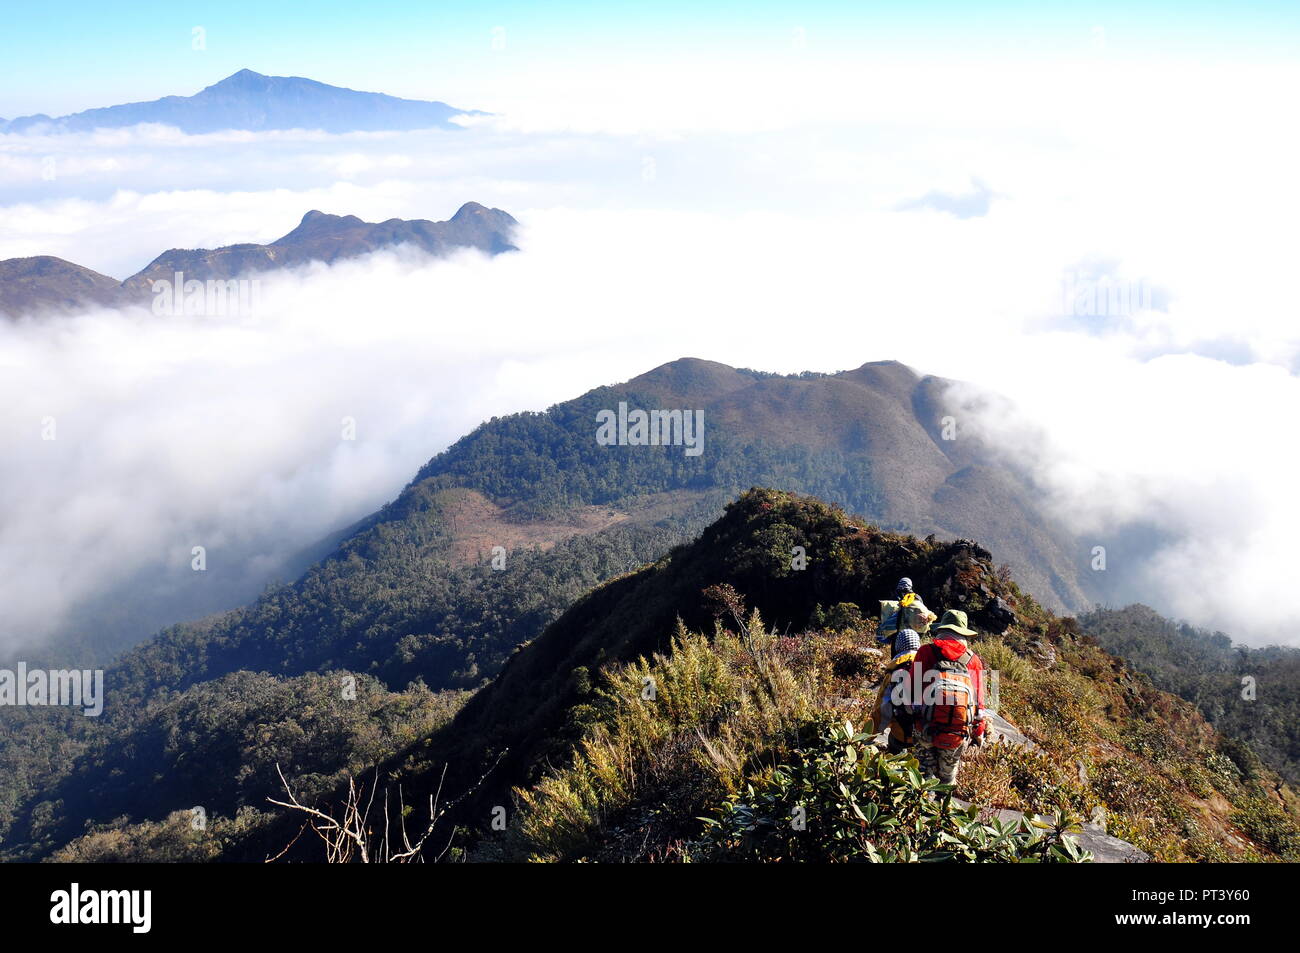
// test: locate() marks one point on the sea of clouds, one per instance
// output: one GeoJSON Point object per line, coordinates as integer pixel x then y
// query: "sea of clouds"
{"type": "Point", "coordinates": [948, 224]}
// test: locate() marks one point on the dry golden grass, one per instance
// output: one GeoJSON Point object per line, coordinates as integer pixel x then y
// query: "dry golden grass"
{"type": "Point", "coordinates": [725, 708]}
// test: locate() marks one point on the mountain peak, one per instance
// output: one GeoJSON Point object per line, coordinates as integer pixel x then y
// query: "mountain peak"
{"type": "Point", "coordinates": [243, 80]}
{"type": "Point", "coordinates": [474, 212]}
{"type": "Point", "coordinates": [252, 101]}
{"type": "Point", "coordinates": [471, 211]}
{"type": "Point", "coordinates": [47, 283]}
{"type": "Point", "coordinates": [316, 216]}
{"type": "Point", "coordinates": [689, 379]}
{"type": "Point", "coordinates": [886, 376]}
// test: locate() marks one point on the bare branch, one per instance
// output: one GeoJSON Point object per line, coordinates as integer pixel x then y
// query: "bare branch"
{"type": "Point", "coordinates": [350, 833]}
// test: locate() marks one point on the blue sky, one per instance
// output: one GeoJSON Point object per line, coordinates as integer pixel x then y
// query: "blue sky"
{"type": "Point", "coordinates": [65, 56]}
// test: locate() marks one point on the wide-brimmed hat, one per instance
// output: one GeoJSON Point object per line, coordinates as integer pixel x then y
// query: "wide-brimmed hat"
{"type": "Point", "coordinates": [954, 620]}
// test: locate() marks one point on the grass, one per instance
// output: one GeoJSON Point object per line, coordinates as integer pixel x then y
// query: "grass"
{"type": "Point", "coordinates": [675, 734]}
{"type": "Point", "coordinates": [679, 731]}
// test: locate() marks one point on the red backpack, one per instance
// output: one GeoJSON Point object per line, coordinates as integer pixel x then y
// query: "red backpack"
{"type": "Point", "coordinates": [952, 715]}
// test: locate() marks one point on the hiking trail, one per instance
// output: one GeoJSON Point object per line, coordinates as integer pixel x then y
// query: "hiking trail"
{"type": "Point", "coordinates": [1092, 835]}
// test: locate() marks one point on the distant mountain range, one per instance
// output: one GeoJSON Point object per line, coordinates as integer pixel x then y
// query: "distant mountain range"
{"type": "Point", "coordinates": [46, 283]}
{"type": "Point", "coordinates": [252, 102]}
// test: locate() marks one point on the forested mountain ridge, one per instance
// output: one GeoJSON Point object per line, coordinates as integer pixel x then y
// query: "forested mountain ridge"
{"type": "Point", "coordinates": [870, 439]}
{"type": "Point", "coordinates": [411, 595]}
{"type": "Point", "coordinates": [1252, 694]}
{"type": "Point", "coordinates": [563, 738]}
{"type": "Point", "coordinates": [413, 598]}
{"type": "Point", "coordinates": [753, 658]}
{"type": "Point", "coordinates": [399, 586]}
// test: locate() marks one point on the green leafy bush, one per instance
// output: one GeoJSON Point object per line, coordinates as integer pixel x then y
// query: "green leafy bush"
{"type": "Point", "coordinates": [841, 800]}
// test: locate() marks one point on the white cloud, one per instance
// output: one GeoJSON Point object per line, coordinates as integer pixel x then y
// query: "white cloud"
{"type": "Point", "coordinates": [777, 245]}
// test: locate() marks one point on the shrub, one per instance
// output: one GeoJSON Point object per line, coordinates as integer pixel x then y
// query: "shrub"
{"type": "Point", "coordinates": [1267, 824]}
{"type": "Point", "coordinates": [173, 840]}
{"type": "Point", "coordinates": [839, 799]}
{"type": "Point", "coordinates": [845, 617]}
{"type": "Point", "coordinates": [1001, 658]}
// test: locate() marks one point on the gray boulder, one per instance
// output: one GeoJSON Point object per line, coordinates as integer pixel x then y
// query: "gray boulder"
{"type": "Point", "coordinates": [998, 616]}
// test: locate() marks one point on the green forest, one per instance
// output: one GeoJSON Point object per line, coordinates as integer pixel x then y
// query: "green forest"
{"type": "Point", "coordinates": [1250, 694]}
{"type": "Point", "coordinates": [393, 660]}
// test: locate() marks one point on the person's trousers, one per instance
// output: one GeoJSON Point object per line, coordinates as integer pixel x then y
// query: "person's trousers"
{"type": "Point", "coordinates": [941, 763]}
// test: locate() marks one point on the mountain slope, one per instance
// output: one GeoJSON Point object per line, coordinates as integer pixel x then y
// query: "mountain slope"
{"type": "Point", "coordinates": [32, 285]}
{"type": "Point", "coordinates": [1247, 693]}
{"type": "Point", "coordinates": [399, 585]}
{"type": "Point", "coordinates": [252, 102]}
{"type": "Point", "coordinates": [1106, 744]}
{"type": "Point", "coordinates": [868, 439]}
{"type": "Point", "coordinates": [401, 581]}
{"type": "Point", "coordinates": [46, 283]}
{"type": "Point", "coordinates": [600, 769]}
{"type": "Point", "coordinates": [412, 595]}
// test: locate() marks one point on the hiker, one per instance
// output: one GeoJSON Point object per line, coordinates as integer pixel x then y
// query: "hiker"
{"type": "Point", "coordinates": [952, 698]}
{"type": "Point", "coordinates": [894, 714]}
{"type": "Point", "coordinates": [904, 611]}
